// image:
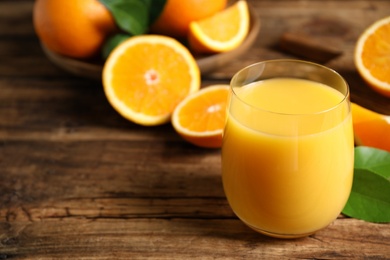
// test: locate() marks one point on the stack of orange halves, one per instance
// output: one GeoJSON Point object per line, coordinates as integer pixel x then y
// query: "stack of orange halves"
{"type": "Point", "coordinates": [147, 76]}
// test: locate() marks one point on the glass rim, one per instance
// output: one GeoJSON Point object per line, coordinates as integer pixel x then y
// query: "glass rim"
{"type": "Point", "coordinates": [345, 95]}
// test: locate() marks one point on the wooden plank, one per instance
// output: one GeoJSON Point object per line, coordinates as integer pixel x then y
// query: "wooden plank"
{"type": "Point", "coordinates": [185, 239]}
{"type": "Point", "coordinates": [15, 18]}
{"type": "Point", "coordinates": [119, 206]}
{"type": "Point", "coordinates": [100, 169]}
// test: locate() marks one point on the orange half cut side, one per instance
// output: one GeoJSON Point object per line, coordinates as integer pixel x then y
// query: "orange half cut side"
{"type": "Point", "coordinates": [224, 31]}
{"type": "Point", "coordinates": [146, 76]}
{"type": "Point", "coordinates": [200, 118]}
{"type": "Point", "coordinates": [372, 56]}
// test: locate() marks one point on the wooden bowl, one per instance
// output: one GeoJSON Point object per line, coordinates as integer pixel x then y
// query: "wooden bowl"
{"type": "Point", "coordinates": [93, 69]}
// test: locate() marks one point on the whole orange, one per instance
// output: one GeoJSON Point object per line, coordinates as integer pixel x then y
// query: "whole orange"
{"type": "Point", "coordinates": [75, 28]}
{"type": "Point", "coordinates": [178, 14]}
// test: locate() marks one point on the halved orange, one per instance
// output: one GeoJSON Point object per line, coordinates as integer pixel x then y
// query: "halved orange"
{"type": "Point", "coordinates": [370, 128]}
{"type": "Point", "coordinates": [146, 76]}
{"type": "Point", "coordinates": [200, 117]}
{"type": "Point", "coordinates": [224, 31]}
{"type": "Point", "coordinates": [372, 56]}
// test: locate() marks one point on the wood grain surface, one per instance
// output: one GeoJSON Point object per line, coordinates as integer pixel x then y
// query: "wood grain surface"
{"type": "Point", "coordinates": [78, 181]}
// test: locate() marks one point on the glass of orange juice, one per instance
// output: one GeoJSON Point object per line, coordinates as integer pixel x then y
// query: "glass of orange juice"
{"type": "Point", "coordinates": [288, 150]}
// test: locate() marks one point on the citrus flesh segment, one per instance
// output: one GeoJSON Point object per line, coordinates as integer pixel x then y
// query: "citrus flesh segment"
{"type": "Point", "coordinates": [224, 31]}
{"type": "Point", "coordinates": [146, 76]}
{"type": "Point", "coordinates": [201, 116]}
{"type": "Point", "coordinates": [370, 128]}
{"type": "Point", "coordinates": [372, 56]}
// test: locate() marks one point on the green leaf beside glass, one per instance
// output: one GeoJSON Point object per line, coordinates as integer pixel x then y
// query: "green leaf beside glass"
{"type": "Point", "coordinates": [370, 195]}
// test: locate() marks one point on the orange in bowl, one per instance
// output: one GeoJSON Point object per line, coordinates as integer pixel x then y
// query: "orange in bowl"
{"type": "Point", "coordinates": [200, 117]}
{"type": "Point", "coordinates": [372, 56]}
{"type": "Point", "coordinates": [177, 15]}
{"type": "Point", "coordinates": [73, 28]}
{"type": "Point", "coordinates": [224, 31]}
{"type": "Point", "coordinates": [146, 76]}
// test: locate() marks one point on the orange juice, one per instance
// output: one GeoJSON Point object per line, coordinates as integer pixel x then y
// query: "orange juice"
{"type": "Point", "coordinates": [287, 155]}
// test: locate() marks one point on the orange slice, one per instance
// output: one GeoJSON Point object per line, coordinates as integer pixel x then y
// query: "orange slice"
{"type": "Point", "coordinates": [370, 128]}
{"type": "Point", "coordinates": [146, 76]}
{"type": "Point", "coordinates": [372, 56]}
{"type": "Point", "coordinates": [200, 117]}
{"type": "Point", "coordinates": [224, 31]}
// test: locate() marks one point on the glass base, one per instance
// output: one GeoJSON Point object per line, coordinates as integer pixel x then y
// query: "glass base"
{"type": "Point", "coordinates": [277, 235]}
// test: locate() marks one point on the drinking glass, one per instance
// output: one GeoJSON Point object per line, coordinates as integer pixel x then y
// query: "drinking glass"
{"type": "Point", "coordinates": [288, 148]}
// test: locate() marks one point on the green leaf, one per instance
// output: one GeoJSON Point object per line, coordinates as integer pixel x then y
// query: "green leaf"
{"type": "Point", "coordinates": [370, 196]}
{"type": "Point", "coordinates": [134, 16]}
{"type": "Point", "coordinates": [373, 159]}
{"type": "Point", "coordinates": [112, 42]}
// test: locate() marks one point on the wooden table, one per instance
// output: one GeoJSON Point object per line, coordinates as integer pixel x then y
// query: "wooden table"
{"type": "Point", "coordinates": [78, 181]}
